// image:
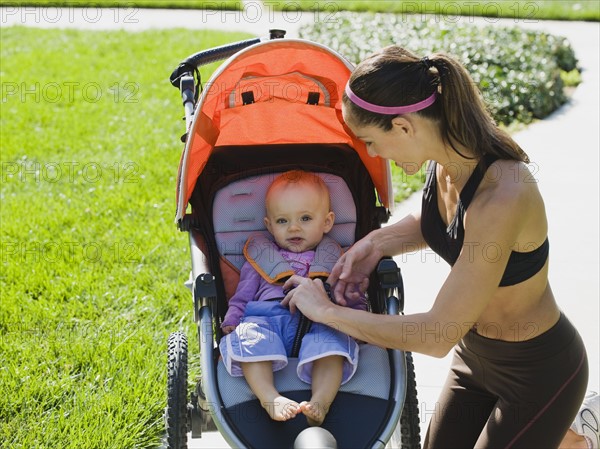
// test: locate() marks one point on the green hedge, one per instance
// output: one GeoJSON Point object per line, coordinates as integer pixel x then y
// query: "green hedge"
{"type": "Point", "coordinates": [518, 71]}
{"type": "Point", "coordinates": [526, 10]}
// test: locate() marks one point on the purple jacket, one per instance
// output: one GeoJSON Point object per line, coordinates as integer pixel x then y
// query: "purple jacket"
{"type": "Point", "coordinates": [256, 287]}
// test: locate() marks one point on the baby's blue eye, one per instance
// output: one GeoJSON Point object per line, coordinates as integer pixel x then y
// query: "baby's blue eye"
{"type": "Point", "coordinates": [306, 218]}
{"type": "Point", "coordinates": [281, 221]}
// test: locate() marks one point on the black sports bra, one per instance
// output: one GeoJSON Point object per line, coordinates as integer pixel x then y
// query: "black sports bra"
{"type": "Point", "coordinates": [447, 241]}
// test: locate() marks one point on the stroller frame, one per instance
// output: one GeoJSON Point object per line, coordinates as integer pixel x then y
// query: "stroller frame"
{"type": "Point", "coordinates": [205, 408]}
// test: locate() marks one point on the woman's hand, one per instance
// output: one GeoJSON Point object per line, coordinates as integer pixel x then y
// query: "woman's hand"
{"type": "Point", "coordinates": [350, 275]}
{"type": "Point", "coordinates": [306, 295]}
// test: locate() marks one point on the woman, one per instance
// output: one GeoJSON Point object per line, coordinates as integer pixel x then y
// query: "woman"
{"type": "Point", "coordinates": [519, 372]}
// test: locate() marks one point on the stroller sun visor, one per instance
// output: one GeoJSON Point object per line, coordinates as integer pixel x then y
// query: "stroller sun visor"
{"type": "Point", "coordinates": [283, 91]}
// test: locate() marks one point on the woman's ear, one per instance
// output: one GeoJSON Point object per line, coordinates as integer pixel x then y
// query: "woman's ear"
{"type": "Point", "coordinates": [403, 125]}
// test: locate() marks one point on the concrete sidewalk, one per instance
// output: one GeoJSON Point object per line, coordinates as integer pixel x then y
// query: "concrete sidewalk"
{"type": "Point", "coordinates": [563, 148]}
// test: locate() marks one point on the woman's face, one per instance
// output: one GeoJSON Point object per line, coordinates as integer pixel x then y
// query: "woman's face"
{"type": "Point", "coordinates": [395, 144]}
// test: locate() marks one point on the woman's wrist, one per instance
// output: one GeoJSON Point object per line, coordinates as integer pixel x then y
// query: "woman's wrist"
{"type": "Point", "coordinates": [329, 314]}
{"type": "Point", "coordinates": [377, 239]}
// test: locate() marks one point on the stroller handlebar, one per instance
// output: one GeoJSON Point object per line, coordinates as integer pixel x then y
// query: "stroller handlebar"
{"type": "Point", "coordinates": [197, 60]}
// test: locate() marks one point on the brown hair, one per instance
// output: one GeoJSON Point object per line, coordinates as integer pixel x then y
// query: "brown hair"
{"type": "Point", "coordinates": [397, 77]}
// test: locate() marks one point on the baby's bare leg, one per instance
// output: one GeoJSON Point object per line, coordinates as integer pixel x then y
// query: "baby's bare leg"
{"type": "Point", "coordinates": [259, 376]}
{"type": "Point", "coordinates": [326, 380]}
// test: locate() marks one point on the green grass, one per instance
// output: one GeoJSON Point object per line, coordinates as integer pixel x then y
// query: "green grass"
{"type": "Point", "coordinates": [514, 9]}
{"type": "Point", "coordinates": [175, 4]}
{"type": "Point", "coordinates": [405, 185]}
{"type": "Point", "coordinates": [92, 264]}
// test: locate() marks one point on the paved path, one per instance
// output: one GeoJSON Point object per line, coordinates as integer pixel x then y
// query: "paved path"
{"type": "Point", "coordinates": [563, 148]}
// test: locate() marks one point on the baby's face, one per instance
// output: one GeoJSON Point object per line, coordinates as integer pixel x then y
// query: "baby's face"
{"type": "Point", "coordinates": [297, 216]}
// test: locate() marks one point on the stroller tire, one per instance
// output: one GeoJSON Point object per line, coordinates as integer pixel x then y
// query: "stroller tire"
{"type": "Point", "coordinates": [176, 413]}
{"type": "Point", "coordinates": [407, 433]}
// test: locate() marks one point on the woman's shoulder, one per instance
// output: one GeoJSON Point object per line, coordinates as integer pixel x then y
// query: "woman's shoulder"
{"type": "Point", "coordinates": [508, 183]}
{"type": "Point", "coordinates": [508, 199]}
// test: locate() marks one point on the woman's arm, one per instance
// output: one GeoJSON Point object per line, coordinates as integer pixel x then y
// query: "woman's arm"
{"type": "Point", "coordinates": [350, 275]}
{"type": "Point", "coordinates": [402, 237]}
{"type": "Point", "coordinates": [492, 227]}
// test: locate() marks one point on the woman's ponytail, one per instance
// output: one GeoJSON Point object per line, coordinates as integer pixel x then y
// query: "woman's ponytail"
{"type": "Point", "coordinates": [397, 77]}
{"type": "Point", "coordinates": [465, 118]}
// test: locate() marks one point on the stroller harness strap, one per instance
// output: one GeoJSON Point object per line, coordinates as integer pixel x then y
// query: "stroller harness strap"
{"type": "Point", "coordinates": [261, 252]}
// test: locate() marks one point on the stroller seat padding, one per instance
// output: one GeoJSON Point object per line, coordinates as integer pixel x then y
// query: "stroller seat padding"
{"type": "Point", "coordinates": [239, 210]}
{"type": "Point", "coordinates": [351, 426]}
{"type": "Point", "coordinates": [373, 363]}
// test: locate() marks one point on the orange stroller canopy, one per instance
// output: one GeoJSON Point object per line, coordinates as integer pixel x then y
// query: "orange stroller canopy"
{"type": "Point", "coordinates": [282, 91]}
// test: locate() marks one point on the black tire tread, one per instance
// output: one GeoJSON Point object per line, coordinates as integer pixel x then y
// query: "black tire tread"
{"type": "Point", "coordinates": [176, 414]}
{"type": "Point", "coordinates": [409, 420]}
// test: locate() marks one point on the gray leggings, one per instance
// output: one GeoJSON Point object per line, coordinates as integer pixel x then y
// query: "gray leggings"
{"type": "Point", "coordinates": [502, 394]}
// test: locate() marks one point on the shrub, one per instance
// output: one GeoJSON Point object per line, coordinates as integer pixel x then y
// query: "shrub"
{"type": "Point", "coordinates": [517, 70]}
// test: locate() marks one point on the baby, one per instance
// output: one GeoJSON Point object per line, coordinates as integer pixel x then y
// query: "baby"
{"type": "Point", "coordinates": [259, 331]}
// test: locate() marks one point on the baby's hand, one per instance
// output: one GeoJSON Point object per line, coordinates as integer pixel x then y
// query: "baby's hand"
{"type": "Point", "coordinates": [228, 329]}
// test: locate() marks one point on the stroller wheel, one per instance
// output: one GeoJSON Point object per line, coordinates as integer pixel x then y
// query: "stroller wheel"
{"type": "Point", "coordinates": [315, 437]}
{"type": "Point", "coordinates": [407, 433]}
{"type": "Point", "coordinates": [176, 413]}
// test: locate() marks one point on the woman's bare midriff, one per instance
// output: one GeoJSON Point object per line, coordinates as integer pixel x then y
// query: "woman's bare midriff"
{"type": "Point", "coordinates": [520, 312]}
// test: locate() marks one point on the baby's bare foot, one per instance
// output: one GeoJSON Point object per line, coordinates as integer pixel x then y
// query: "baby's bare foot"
{"type": "Point", "coordinates": [315, 413]}
{"type": "Point", "coordinates": [282, 408]}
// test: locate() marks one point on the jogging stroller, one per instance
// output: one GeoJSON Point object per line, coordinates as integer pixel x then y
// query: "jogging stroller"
{"type": "Point", "coordinates": [272, 106]}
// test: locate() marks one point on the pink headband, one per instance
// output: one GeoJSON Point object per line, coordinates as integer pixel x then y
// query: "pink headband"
{"type": "Point", "coordinates": [390, 110]}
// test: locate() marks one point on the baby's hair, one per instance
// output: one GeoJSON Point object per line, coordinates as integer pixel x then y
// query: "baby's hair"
{"type": "Point", "coordinates": [301, 177]}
